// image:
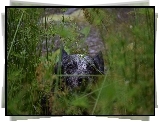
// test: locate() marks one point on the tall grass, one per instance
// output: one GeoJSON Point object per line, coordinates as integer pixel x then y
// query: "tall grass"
{"type": "Point", "coordinates": [23, 34]}
{"type": "Point", "coordinates": [131, 59]}
{"type": "Point", "coordinates": [127, 88]}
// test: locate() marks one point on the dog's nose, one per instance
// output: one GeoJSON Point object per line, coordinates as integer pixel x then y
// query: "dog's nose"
{"type": "Point", "coordinates": [80, 80]}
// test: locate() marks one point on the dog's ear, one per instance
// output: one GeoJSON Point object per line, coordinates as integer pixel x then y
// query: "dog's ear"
{"type": "Point", "coordinates": [64, 53]}
{"type": "Point", "coordinates": [98, 59]}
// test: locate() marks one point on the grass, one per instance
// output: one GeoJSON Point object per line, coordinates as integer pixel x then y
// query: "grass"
{"type": "Point", "coordinates": [126, 89]}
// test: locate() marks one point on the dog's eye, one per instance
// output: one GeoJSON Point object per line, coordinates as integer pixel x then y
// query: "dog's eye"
{"type": "Point", "coordinates": [70, 66]}
{"type": "Point", "coordinates": [91, 67]}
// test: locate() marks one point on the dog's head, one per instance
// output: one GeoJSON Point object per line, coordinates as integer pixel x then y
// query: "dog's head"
{"type": "Point", "coordinates": [80, 68]}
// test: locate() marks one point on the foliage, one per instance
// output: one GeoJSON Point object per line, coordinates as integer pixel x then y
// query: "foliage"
{"type": "Point", "coordinates": [126, 89]}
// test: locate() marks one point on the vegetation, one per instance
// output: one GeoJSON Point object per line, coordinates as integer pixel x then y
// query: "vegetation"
{"type": "Point", "coordinates": [126, 89]}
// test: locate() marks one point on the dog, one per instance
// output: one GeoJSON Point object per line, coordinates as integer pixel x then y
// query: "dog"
{"type": "Point", "coordinates": [78, 72]}
{"type": "Point", "coordinates": [79, 69]}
